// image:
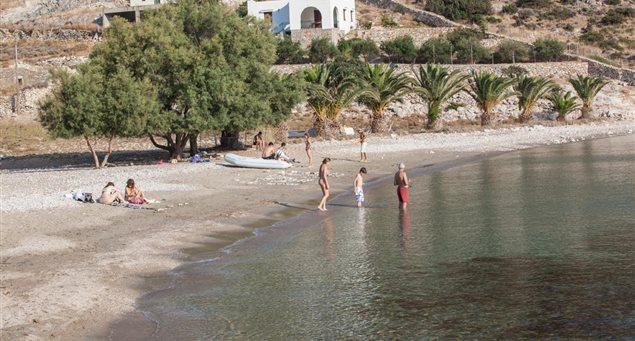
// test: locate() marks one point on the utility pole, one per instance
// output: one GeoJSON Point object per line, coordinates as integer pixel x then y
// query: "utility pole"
{"type": "Point", "coordinates": [18, 83]}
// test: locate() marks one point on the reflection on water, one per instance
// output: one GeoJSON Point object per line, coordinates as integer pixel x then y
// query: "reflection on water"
{"type": "Point", "coordinates": [537, 243]}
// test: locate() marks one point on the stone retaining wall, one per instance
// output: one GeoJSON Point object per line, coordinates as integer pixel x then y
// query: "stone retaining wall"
{"type": "Point", "coordinates": [559, 70]}
{"type": "Point", "coordinates": [306, 35]}
{"type": "Point", "coordinates": [49, 34]}
{"type": "Point", "coordinates": [419, 34]}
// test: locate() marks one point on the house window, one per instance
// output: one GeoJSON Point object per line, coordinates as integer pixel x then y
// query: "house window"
{"type": "Point", "coordinates": [157, 2]}
{"type": "Point", "coordinates": [344, 15]}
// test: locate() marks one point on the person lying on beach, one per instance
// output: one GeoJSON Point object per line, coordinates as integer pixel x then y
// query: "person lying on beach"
{"type": "Point", "coordinates": [402, 183]}
{"type": "Point", "coordinates": [269, 152]}
{"type": "Point", "coordinates": [134, 195]}
{"type": "Point", "coordinates": [110, 195]}
{"type": "Point", "coordinates": [358, 187]}
{"type": "Point", "coordinates": [281, 155]}
{"type": "Point", "coordinates": [324, 183]}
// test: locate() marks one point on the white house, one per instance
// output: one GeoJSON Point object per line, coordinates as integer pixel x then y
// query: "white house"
{"type": "Point", "coordinates": [291, 15]}
{"type": "Point", "coordinates": [134, 3]}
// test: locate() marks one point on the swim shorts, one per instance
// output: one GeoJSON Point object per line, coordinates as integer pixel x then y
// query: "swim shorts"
{"type": "Point", "coordinates": [359, 194]}
{"type": "Point", "coordinates": [363, 147]}
{"type": "Point", "coordinates": [403, 194]}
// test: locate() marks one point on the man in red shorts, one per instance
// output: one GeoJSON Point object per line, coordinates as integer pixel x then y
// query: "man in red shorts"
{"type": "Point", "coordinates": [401, 181]}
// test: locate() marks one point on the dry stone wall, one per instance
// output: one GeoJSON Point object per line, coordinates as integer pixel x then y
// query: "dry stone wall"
{"type": "Point", "coordinates": [419, 34]}
{"type": "Point", "coordinates": [560, 70]}
{"type": "Point", "coordinates": [306, 35]}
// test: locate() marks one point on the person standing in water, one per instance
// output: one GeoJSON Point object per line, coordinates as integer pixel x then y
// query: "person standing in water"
{"type": "Point", "coordinates": [324, 183]}
{"type": "Point", "coordinates": [363, 145]}
{"type": "Point", "coordinates": [359, 187]}
{"type": "Point", "coordinates": [402, 183]}
{"type": "Point", "coordinates": [308, 148]}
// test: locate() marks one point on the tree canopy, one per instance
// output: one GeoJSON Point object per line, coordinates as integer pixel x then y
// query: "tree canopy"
{"type": "Point", "coordinates": [208, 69]}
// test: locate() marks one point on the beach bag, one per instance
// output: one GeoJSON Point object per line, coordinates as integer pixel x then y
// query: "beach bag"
{"type": "Point", "coordinates": [88, 197]}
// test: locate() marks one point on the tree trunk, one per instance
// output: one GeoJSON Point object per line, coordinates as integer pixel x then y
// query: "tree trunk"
{"type": "Point", "coordinates": [104, 162]}
{"type": "Point", "coordinates": [321, 127]}
{"type": "Point", "coordinates": [525, 116]}
{"type": "Point", "coordinates": [230, 140]}
{"type": "Point", "coordinates": [434, 124]}
{"type": "Point", "coordinates": [586, 112]}
{"type": "Point", "coordinates": [193, 144]}
{"type": "Point", "coordinates": [379, 124]}
{"type": "Point", "coordinates": [92, 152]}
{"type": "Point", "coordinates": [486, 118]}
{"type": "Point", "coordinates": [434, 117]}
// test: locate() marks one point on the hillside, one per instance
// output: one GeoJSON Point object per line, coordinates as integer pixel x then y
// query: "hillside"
{"type": "Point", "coordinates": [53, 12]}
{"type": "Point", "coordinates": [602, 30]}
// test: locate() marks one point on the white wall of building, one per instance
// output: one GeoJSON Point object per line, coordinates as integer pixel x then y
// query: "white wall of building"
{"type": "Point", "coordinates": [147, 2]}
{"type": "Point", "coordinates": [294, 14]}
{"type": "Point", "coordinates": [279, 10]}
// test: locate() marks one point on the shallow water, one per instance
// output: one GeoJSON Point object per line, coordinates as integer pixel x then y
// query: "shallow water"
{"type": "Point", "coordinates": [536, 243]}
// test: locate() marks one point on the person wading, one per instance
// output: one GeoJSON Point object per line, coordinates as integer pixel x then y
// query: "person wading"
{"type": "Point", "coordinates": [324, 183]}
{"type": "Point", "coordinates": [401, 181]}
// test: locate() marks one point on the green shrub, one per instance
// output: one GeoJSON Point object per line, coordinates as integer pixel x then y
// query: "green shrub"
{"type": "Point", "coordinates": [510, 50]}
{"type": "Point", "coordinates": [289, 52]}
{"type": "Point", "coordinates": [367, 25]}
{"type": "Point", "coordinates": [612, 2]}
{"type": "Point", "coordinates": [514, 71]}
{"type": "Point", "coordinates": [509, 8]}
{"type": "Point", "coordinates": [525, 13]}
{"type": "Point", "coordinates": [388, 21]}
{"type": "Point", "coordinates": [322, 50]}
{"type": "Point", "coordinates": [460, 9]}
{"type": "Point", "coordinates": [436, 50]}
{"type": "Point", "coordinates": [465, 33]}
{"type": "Point", "coordinates": [241, 10]}
{"type": "Point", "coordinates": [400, 49]}
{"type": "Point", "coordinates": [493, 19]}
{"type": "Point", "coordinates": [471, 51]}
{"type": "Point", "coordinates": [559, 13]}
{"type": "Point", "coordinates": [356, 48]}
{"type": "Point", "coordinates": [568, 27]}
{"type": "Point", "coordinates": [548, 49]}
{"type": "Point", "coordinates": [616, 16]}
{"type": "Point", "coordinates": [533, 3]}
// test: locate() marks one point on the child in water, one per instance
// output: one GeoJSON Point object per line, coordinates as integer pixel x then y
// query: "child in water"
{"type": "Point", "coordinates": [358, 187]}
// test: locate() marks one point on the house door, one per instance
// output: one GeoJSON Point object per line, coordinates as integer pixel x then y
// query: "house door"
{"type": "Point", "coordinates": [317, 18]}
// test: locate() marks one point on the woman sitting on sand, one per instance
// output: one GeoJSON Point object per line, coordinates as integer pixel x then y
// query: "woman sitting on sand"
{"type": "Point", "coordinates": [110, 195]}
{"type": "Point", "coordinates": [133, 194]}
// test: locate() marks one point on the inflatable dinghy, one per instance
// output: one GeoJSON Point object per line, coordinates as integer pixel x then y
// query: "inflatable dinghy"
{"type": "Point", "coordinates": [252, 162]}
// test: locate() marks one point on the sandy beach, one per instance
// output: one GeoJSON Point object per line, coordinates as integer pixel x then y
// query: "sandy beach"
{"type": "Point", "coordinates": [68, 268]}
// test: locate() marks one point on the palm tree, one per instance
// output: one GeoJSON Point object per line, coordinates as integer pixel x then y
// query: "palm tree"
{"type": "Point", "coordinates": [435, 84]}
{"type": "Point", "coordinates": [529, 90]}
{"type": "Point", "coordinates": [488, 90]}
{"type": "Point", "coordinates": [382, 85]}
{"type": "Point", "coordinates": [587, 87]}
{"type": "Point", "coordinates": [328, 93]}
{"type": "Point", "coordinates": [563, 103]}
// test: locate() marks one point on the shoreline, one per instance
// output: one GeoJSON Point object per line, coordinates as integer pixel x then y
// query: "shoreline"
{"type": "Point", "coordinates": [129, 258]}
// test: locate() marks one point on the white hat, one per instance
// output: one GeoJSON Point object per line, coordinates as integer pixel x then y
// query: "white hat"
{"type": "Point", "coordinates": [402, 165]}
